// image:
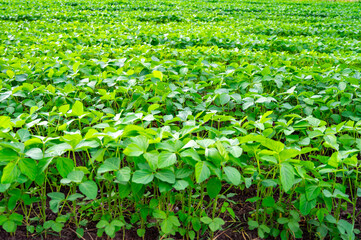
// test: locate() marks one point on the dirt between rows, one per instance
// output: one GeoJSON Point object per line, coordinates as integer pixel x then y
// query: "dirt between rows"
{"type": "Point", "coordinates": [232, 230]}
{"type": "Point", "coordinates": [238, 230]}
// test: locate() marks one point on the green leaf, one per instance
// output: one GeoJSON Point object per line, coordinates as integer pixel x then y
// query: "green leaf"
{"type": "Point", "coordinates": [344, 226]}
{"type": "Point", "coordinates": [17, 218]}
{"type": "Point", "coordinates": [143, 176]}
{"type": "Point", "coordinates": [174, 220]}
{"type": "Point", "coordinates": [331, 219]}
{"type": "Point", "coordinates": [80, 232]}
{"type": "Point", "coordinates": [124, 190]}
{"type": "Point", "coordinates": [29, 168]}
{"type": "Point", "coordinates": [224, 98]}
{"type": "Point", "coordinates": [10, 173]}
{"type": "Point", "coordinates": [192, 154]}
{"type": "Point", "coordinates": [252, 224]}
{"type": "Point", "coordinates": [102, 224]}
{"type": "Point", "coordinates": [54, 205]}
{"type": "Point", "coordinates": [166, 226]}
{"type": "Point", "coordinates": [265, 228]}
{"type": "Point", "coordinates": [170, 146]}
{"type": "Point", "coordinates": [83, 145]}
{"type": "Point", "coordinates": [269, 183]}
{"type": "Point", "coordinates": [321, 213]}
{"type": "Point", "coordinates": [56, 196]}
{"type": "Point", "coordinates": [233, 175]}
{"type": "Point", "coordinates": [152, 159]}
{"type": "Point", "coordinates": [110, 164]}
{"type": "Point", "coordinates": [266, 142]}
{"type": "Point", "coordinates": [196, 223]}
{"type": "Point", "coordinates": [216, 224]}
{"type": "Point", "coordinates": [110, 230]}
{"type": "Point", "coordinates": [327, 193]}
{"type": "Point", "coordinates": [236, 151]}
{"type": "Point", "coordinates": [305, 205]}
{"type": "Point", "coordinates": [331, 141]}
{"type": "Point", "coordinates": [64, 166]}
{"type": "Point", "coordinates": [312, 192]}
{"type": "Point", "coordinates": [30, 228]}
{"type": "Point", "coordinates": [214, 187]}
{"type": "Point", "coordinates": [153, 107]}
{"type": "Point", "coordinates": [5, 122]}
{"type": "Point", "coordinates": [72, 139]}
{"type": "Point", "coordinates": [206, 220]}
{"type": "Point", "coordinates": [57, 227]}
{"type": "Point", "coordinates": [35, 153]}
{"type": "Point", "coordinates": [16, 146]}
{"type": "Point", "coordinates": [273, 145]}
{"type": "Point", "coordinates": [77, 109]}
{"type": "Point", "coordinates": [294, 226]}
{"type": "Point", "coordinates": [57, 150]}
{"type": "Point", "coordinates": [158, 74]}
{"type": "Point", "coordinates": [334, 160]}
{"type": "Point", "coordinates": [182, 173]}
{"type": "Point", "coordinates": [222, 151]}
{"type": "Point", "coordinates": [8, 155]}
{"type": "Point", "coordinates": [166, 159]}
{"type": "Point", "coordinates": [282, 220]}
{"type": "Point", "coordinates": [287, 176]}
{"type": "Point", "coordinates": [166, 175]}
{"type": "Point", "coordinates": [180, 185]}
{"type": "Point", "coordinates": [268, 202]}
{"type": "Point", "coordinates": [48, 224]}
{"type": "Point", "coordinates": [205, 143]}
{"type": "Point", "coordinates": [138, 147]}
{"type": "Point", "coordinates": [89, 189]}
{"type": "Point", "coordinates": [10, 73]}
{"type": "Point", "coordinates": [64, 108]}
{"type": "Point", "coordinates": [133, 150]}
{"type": "Point", "coordinates": [214, 156]}
{"type": "Point", "coordinates": [169, 223]}
{"type": "Point", "coordinates": [117, 223]}
{"type": "Point", "coordinates": [202, 172]}
{"type": "Point", "coordinates": [76, 66]}
{"type": "Point", "coordinates": [24, 135]}
{"type": "Point", "coordinates": [74, 176]}
{"type": "Point", "coordinates": [141, 232]}
{"type": "Point", "coordinates": [268, 158]}
{"type": "Point", "coordinates": [3, 219]}
{"type": "Point", "coordinates": [123, 175]}
{"type": "Point", "coordinates": [9, 226]}
{"type": "Point", "coordinates": [159, 214]}
{"type": "Point", "coordinates": [75, 196]}
{"type": "Point", "coordinates": [289, 153]}
{"type": "Point", "coordinates": [192, 235]}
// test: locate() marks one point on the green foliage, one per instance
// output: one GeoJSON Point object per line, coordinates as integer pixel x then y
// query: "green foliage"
{"type": "Point", "coordinates": [172, 115]}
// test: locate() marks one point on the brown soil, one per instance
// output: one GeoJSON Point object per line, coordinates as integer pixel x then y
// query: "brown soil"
{"type": "Point", "coordinates": [69, 234]}
{"type": "Point", "coordinates": [237, 230]}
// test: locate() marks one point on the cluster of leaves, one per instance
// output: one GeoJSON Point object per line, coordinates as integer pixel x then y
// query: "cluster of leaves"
{"type": "Point", "coordinates": [161, 114]}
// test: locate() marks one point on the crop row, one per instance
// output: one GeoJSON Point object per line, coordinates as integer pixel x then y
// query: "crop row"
{"type": "Point", "coordinates": [187, 119]}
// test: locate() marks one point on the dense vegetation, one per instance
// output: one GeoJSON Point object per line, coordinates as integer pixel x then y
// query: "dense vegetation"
{"type": "Point", "coordinates": [188, 119]}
